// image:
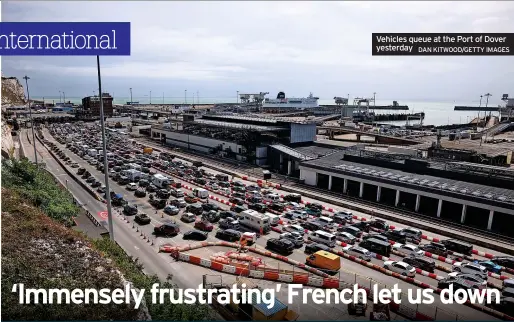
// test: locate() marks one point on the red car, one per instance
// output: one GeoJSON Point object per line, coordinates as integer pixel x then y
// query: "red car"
{"type": "Point", "coordinates": [204, 226]}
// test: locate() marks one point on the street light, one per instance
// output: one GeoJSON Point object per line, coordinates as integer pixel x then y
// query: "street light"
{"type": "Point", "coordinates": [131, 96]}
{"type": "Point", "coordinates": [104, 146]}
{"type": "Point", "coordinates": [59, 96]}
{"type": "Point", "coordinates": [26, 78]}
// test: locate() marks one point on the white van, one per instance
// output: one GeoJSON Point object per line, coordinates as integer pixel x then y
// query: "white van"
{"type": "Point", "coordinates": [323, 237]}
{"type": "Point", "coordinates": [201, 193]}
{"type": "Point", "coordinates": [272, 197]}
{"type": "Point", "coordinates": [274, 219]}
{"type": "Point", "coordinates": [326, 220]}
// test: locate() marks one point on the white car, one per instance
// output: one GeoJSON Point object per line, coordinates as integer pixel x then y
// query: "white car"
{"type": "Point", "coordinates": [408, 249]}
{"type": "Point", "coordinates": [400, 268]}
{"type": "Point", "coordinates": [132, 186]}
{"type": "Point", "coordinates": [294, 229]}
{"type": "Point", "coordinates": [294, 237]}
{"type": "Point", "coordinates": [470, 268]}
{"type": "Point", "coordinates": [359, 252]}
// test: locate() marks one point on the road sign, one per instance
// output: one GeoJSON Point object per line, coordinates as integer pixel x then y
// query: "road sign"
{"type": "Point", "coordinates": [103, 214]}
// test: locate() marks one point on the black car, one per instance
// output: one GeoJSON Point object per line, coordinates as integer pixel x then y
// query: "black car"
{"type": "Point", "coordinates": [90, 179]}
{"type": "Point", "coordinates": [225, 214]}
{"type": "Point", "coordinates": [209, 207]}
{"type": "Point", "coordinates": [236, 201]}
{"type": "Point", "coordinates": [142, 219]}
{"type": "Point", "coordinates": [506, 261]}
{"type": "Point", "coordinates": [167, 229]}
{"type": "Point", "coordinates": [352, 230]}
{"type": "Point", "coordinates": [254, 200]}
{"type": "Point", "coordinates": [228, 235]}
{"type": "Point", "coordinates": [282, 246]}
{"type": "Point", "coordinates": [457, 283]}
{"type": "Point", "coordinates": [163, 193]}
{"type": "Point", "coordinates": [379, 224]}
{"type": "Point", "coordinates": [151, 188]}
{"type": "Point", "coordinates": [396, 235]}
{"type": "Point", "coordinates": [237, 209]}
{"type": "Point", "coordinates": [277, 206]}
{"type": "Point", "coordinates": [239, 195]}
{"type": "Point", "coordinates": [258, 207]}
{"type": "Point", "coordinates": [435, 248]}
{"type": "Point", "coordinates": [294, 197]}
{"type": "Point", "coordinates": [144, 183]}
{"type": "Point", "coordinates": [200, 181]}
{"type": "Point", "coordinates": [424, 263]}
{"type": "Point", "coordinates": [195, 208]}
{"type": "Point", "coordinates": [362, 225]}
{"type": "Point", "coordinates": [314, 247]}
{"type": "Point", "coordinates": [81, 171]}
{"type": "Point", "coordinates": [314, 206]}
{"type": "Point", "coordinates": [140, 193]}
{"type": "Point", "coordinates": [195, 235]}
{"type": "Point", "coordinates": [96, 183]}
{"type": "Point", "coordinates": [458, 246]}
{"type": "Point", "coordinates": [130, 210]}
{"type": "Point", "coordinates": [158, 203]}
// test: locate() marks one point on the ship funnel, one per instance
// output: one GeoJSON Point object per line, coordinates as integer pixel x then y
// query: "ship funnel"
{"type": "Point", "coordinates": [281, 95]}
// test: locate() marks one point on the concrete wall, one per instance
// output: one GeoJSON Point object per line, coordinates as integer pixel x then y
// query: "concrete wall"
{"type": "Point", "coordinates": [309, 176]}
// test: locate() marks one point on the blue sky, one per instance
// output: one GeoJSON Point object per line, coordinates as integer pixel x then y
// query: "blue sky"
{"type": "Point", "coordinates": [218, 48]}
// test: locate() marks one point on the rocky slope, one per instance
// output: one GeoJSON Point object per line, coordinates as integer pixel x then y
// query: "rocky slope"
{"type": "Point", "coordinates": [41, 253]}
{"type": "Point", "coordinates": [12, 92]}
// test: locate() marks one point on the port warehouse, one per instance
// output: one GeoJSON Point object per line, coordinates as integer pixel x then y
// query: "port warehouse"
{"type": "Point", "coordinates": [459, 192]}
{"type": "Point", "coordinates": [246, 139]}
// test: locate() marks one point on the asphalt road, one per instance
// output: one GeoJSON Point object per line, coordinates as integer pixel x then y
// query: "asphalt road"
{"type": "Point", "coordinates": [351, 272]}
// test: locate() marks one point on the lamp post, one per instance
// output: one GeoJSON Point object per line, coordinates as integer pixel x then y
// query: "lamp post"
{"type": "Point", "coordinates": [59, 96]}
{"type": "Point", "coordinates": [131, 96]}
{"type": "Point", "coordinates": [104, 146]}
{"type": "Point", "coordinates": [26, 78]}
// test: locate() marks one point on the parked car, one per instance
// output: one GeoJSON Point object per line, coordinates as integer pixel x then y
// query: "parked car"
{"type": "Point", "coordinates": [282, 246]}
{"type": "Point", "coordinates": [353, 231]}
{"type": "Point", "coordinates": [457, 283]}
{"type": "Point", "coordinates": [490, 266]}
{"type": "Point", "coordinates": [140, 193]}
{"type": "Point", "coordinates": [179, 203]}
{"type": "Point", "coordinates": [225, 214]}
{"type": "Point", "coordinates": [258, 207]}
{"type": "Point", "coordinates": [379, 224]}
{"type": "Point", "coordinates": [346, 237]}
{"type": "Point", "coordinates": [294, 237]}
{"type": "Point", "coordinates": [142, 219]}
{"type": "Point", "coordinates": [469, 277]}
{"type": "Point", "coordinates": [408, 249]}
{"type": "Point", "coordinates": [167, 229]}
{"type": "Point", "coordinates": [228, 235]}
{"type": "Point", "coordinates": [204, 225]}
{"type": "Point", "coordinates": [294, 228]}
{"type": "Point", "coordinates": [236, 201]}
{"type": "Point", "coordinates": [130, 210]}
{"type": "Point", "coordinates": [435, 248]}
{"type": "Point", "coordinates": [314, 247]}
{"type": "Point", "coordinates": [376, 236]}
{"type": "Point", "coordinates": [151, 188]}
{"type": "Point", "coordinates": [195, 235]}
{"type": "Point", "coordinates": [190, 198]}
{"type": "Point", "coordinates": [470, 268]}
{"type": "Point", "coordinates": [210, 206]}
{"type": "Point", "coordinates": [362, 226]}
{"type": "Point", "coordinates": [421, 262]}
{"type": "Point", "coordinates": [505, 261]}
{"type": "Point", "coordinates": [237, 209]}
{"type": "Point", "coordinates": [400, 268]}
{"type": "Point", "coordinates": [171, 210]}
{"type": "Point", "coordinates": [359, 252]}
{"type": "Point", "coordinates": [188, 217]}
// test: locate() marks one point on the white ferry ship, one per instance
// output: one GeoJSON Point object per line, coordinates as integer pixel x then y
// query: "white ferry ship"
{"type": "Point", "coordinates": [282, 102]}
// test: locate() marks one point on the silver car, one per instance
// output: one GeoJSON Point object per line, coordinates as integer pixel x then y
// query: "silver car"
{"type": "Point", "coordinates": [295, 238]}
{"type": "Point", "coordinates": [359, 252]}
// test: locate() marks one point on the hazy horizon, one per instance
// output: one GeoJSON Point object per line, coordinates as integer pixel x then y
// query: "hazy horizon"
{"type": "Point", "coordinates": [218, 48]}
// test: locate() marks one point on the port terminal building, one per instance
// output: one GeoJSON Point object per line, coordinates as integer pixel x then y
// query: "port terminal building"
{"type": "Point", "coordinates": [257, 140]}
{"type": "Point", "coordinates": [470, 194]}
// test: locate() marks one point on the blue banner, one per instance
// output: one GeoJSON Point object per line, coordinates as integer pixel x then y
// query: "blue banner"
{"type": "Point", "coordinates": [64, 38]}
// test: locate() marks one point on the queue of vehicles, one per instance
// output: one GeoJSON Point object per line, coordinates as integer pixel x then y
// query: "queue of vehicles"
{"type": "Point", "coordinates": [252, 214]}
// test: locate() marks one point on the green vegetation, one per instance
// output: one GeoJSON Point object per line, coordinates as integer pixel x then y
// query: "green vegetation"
{"type": "Point", "coordinates": [39, 251]}
{"type": "Point", "coordinates": [40, 189]}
